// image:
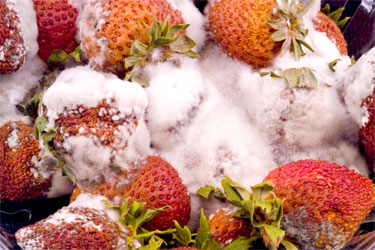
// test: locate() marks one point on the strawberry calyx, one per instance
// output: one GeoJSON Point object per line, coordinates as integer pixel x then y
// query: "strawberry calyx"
{"type": "Point", "coordinates": [132, 217]}
{"type": "Point", "coordinates": [160, 36]}
{"type": "Point", "coordinates": [260, 206]}
{"type": "Point", "coordinates": [290, 29]}
{"type": "Point", "coordinates": [296, 77]}
{"type": "Point", "coordinates": [203, 240]}
{"type": "Point", "coordinates": [335, 15]}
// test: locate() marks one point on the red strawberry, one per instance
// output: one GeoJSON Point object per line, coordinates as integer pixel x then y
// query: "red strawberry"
{"type": "Point", "coordinates": [225, 229]}
{"type": "Point", "coordinates": [57, 29]}
{"type": "Point", "coordinates": [20, 177]}
{"type": "Point", "coordinates": [12, 49]}
{"type": "Point", "coordinates": [324, 203]}
{"type": "Point", "coordinates": [71, 228]}
{"type": "Point", "coordinates": [158, 184]}
{"type": "Point", "coordinates": [367, 132]}
{"type": "Point", "coordinates": [154, 182]}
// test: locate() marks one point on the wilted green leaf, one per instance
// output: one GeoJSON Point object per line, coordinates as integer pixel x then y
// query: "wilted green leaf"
{"type": "Point", "coordinates": [288, 245]}
{"type": "Point", "coordinates": [205, 191]}
{"type": "Point", "coordinates": [182, 45]}
{"type": "Point", "coordinates": [276, 234]}
{"type": "Point", "coordinates": [182, 235]}
{"type": "Point", "coordinates": [210, 244]}
{"type": "Point", "coordinates": [241, 243]}
{"type": "Point", "coordinates": [262, 190]}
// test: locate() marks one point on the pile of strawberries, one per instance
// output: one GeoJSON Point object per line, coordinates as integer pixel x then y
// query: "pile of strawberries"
{"type": "Point", "coordinates": [309, 204]}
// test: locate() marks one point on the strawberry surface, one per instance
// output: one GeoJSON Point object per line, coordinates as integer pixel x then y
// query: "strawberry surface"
{"type": "Point", "coordinates": [71, 228]}
{"type": "Point", "coordinates": [20, 177]}
{"type": "Point", "coordinates": [12, 49]}
{"type": "Point", "coordinates": [240, 28]}
{"type": "Point", "coordinates": [325, 24]}
{"type": "Point", "coordinates": [367, 132]}
{"type": "Point", "coordinates": [158, 184]}
{"type": "Point", "coordinates": [107, 38]}
{"type": "Point", "coordinates": [57, 29]}
{"type": "Point", "coordinates": [225, 229]}
{"type": "Point", "coordinates": [324, 203]}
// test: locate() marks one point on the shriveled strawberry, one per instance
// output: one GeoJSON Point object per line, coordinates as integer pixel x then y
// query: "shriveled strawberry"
{"type": "Point", "coordinates": [71, 228]}
{"type": "Point", "coordinates": [158, 184]}
{"type": "Point", "coordinates": [367, 132]}
{"type": "Point", "coordinates": [241, 29]}
{"type": "Point", "coordinates": [110, 28]}
{"type": "Point", "coordinates": [325, 24]}
{"type": "Point", "coordinates": [225, 229]}
{"type": "Point", "coordinates": [324, 203]}
{"type": "Point", "coordinates": [20, 175]}
{"type": "Point", "coordinates": [12, 49]}
{"type": "Point", "coordinates": [57, 29]}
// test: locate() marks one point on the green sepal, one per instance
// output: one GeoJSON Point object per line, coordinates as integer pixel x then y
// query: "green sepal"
{"type": "Point", "coordinates": [39, 126]}
{"type": "Point", "coordinates": [32, 106]}
{"type": "Point", "coordinates": [203, 231]}
{"type": "Point", "coordinates": [234, 191]}
{"type": "Point", "coordinates": [182, 44]}
{"type": "Point", "coordinates": [153, 244]}
{"type": "Point", "coordinates": [210, 244]}
{"type": "Point", "coordinates": [183, 235]}
{"type": "Point", "coordinates": [207, 190]}
{"type": "Point", "coordinates": [300, 77]}
{"type": "Point", "coordinates": [58, 56]}
{"type": "Point", "coordinates": [262, 190]}
{"type": "Point", "coordinates": [288, 245]}
{"type": "Point", "coordinates": [335, 15]}
{"type": "Point", "coordinates": [160, 36]}
{"type": "Point", "coordinates": [76, 54]}
{"type": "Point", "coordinates": [241, 243]}
{"type": "Point", "coordinates": [332, 64]}
{"type": "Point", "coordinates": [275, 235]}
{"type": "Point", "coordinates": [289, 28]}
{"type": "Point", "coordinates": [352, 61]}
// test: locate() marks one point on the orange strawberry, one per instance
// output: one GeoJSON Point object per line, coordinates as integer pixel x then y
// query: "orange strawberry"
{"type": "Point", "coordinates": [325, 24]}
{"type": "Point", "coordinates": [12, 49]}
{"type": "Point", "coordinates": [225, 229]}
{"type": "Point", "coordinates": [324, 203]}
{"type": "Point", "coordinates": [20, 177]}
{"type": "Point", "coordinates": [57, 29]}
{"type": "Point", "coordinates": [110, 28]}
{"type": "Point", "coordinates": [240, 28]}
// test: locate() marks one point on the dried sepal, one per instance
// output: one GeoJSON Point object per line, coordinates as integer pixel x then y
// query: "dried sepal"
{"type": "Point", "coordinates": [59, 56]}
{"type": "Point", "coordinates": [335, 15]}
{"type": "Point", "coordinates": [290, 29]}
{"type": "Point", "coordinates": [160, 36]}
{"type": "Point", "coordinates": [296, 77]}
{"type": "Point", "coordinates": [332, 64]}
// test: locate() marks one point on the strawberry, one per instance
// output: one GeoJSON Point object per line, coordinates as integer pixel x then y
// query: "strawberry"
{"type": "Point", "coordinates": [240, 28]}
{"type": "Point", "coordinates": [253, 32]}
{"type": "Point", "coordinates": [12, 49]}
{"type": "Point", "coordinates": [71, 227]}
{"type": "Point", "coordinates": [158, 184]}
{"type": "Point", "coordinates": [367, 132]}
{"type": "Point", "coordinates": [109, 31]}
{"type": "Point", "coordinates": [225, 229]}
{"type": "Point", "coordinates": [154, 182]}
{"type": "Point", "coordinates": [325, 24]}
{"type": "Point", "coordinates": [57, 29]}
{"type": "Point", "coordinates": [20, 173]}
{"type": "Point", "coordinates": [324, 203]}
